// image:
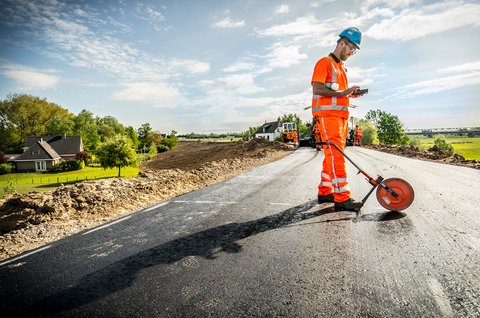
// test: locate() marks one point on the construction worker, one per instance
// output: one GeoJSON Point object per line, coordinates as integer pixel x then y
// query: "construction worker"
{"type": "Point", "coordinates": [358, 135]}
{"type": "Point", "coordinates": [330, 103]}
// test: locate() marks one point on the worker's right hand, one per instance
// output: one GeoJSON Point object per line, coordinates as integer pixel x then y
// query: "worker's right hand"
{"type": "Point", "coordinates": [350, 90]}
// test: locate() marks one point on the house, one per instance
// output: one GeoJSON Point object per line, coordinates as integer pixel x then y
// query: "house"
{"type": "Point", "coordinates": [42, 153]}
{"type": "Point", "coordinates": [269, 131]}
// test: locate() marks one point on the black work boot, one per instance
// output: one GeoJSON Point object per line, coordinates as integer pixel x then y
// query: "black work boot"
{"type": "Point", "coordinates": [349, 205]}
{"type": "Point", "coordinates": [325, 198]}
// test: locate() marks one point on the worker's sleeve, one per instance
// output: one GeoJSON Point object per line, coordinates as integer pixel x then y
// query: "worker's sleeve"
{"type": "Point", "coordinates": [320, 72]}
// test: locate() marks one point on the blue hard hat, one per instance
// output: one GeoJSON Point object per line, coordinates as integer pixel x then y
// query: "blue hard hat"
{"type": "Point", "coordinates": [353, 35]}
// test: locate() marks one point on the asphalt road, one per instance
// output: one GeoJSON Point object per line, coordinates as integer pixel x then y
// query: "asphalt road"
{"type": "Point", "coordinates": [259, 245]}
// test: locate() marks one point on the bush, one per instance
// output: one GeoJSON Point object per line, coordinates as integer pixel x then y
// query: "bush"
{"type": "Point", "coordinates": [170, 142]}
{"type": "Point", "coordinates": [443, 145]}
{"type": "Point", "coordinates": [162, 148]}
{"type": "Point", "coordinates": [369, 136]}
{"type": "Point", "coordinates": [415, 142]}
{"type": "Point", "coordinates": [68, 166]}
{"type": "Point", "coordinates": [82, 156]}
{"type": "Point", "coordinates": [5, 168]}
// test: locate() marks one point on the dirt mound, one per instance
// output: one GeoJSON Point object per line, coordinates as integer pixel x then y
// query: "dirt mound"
{"type": "Point", "coordinates": [191, 155]}
{"type": "Point", "coordinates": [31, 220]}
{"type": "Point", "coordinates": [434, 154]}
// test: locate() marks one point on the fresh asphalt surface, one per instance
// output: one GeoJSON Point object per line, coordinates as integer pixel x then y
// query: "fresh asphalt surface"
{"type": "Point", "coordinates": [259, 245]}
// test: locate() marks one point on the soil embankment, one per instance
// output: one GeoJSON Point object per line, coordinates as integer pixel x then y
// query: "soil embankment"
{"type": "Point", "coordinates": [31, 220]}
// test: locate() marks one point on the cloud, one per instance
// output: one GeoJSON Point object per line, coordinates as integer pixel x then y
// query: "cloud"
{"type": "Point", "coordinates": [239, 66]}
{"type": "Point", "coordinates": [281, 56]}
{"type": "Point", "coordinates": [191, 66]}
{"type": "Point", "coordinates": [301, 26]}
{"type": "Point", "coordinates": [241, 83]}
{"type": "Point", "coordinates": [77, 36]}
{"type": "Point", "coordinates": [158, 94]}
{"type": "Point", "coordinates": [364, 77]}
{"type": "Point", "coordinates": [30, 78]}
{"type": "Point", "coordinates": [282, 9]}
{"type": "Point", "coordinates": [467, 67]}
{"type": "Point", "coordinates": [418, 22]}
{"type": "Point", "coordinates": [468, 75]}
{"type": "Point", "coordinates": [228, 23]}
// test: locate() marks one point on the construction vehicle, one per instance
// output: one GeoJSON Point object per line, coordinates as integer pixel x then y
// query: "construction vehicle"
{"type": "Point", "coordinates": [290, 133]}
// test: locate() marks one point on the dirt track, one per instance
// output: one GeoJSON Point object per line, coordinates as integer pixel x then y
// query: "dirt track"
{"type": "Point", "coordinates": [32, 220]}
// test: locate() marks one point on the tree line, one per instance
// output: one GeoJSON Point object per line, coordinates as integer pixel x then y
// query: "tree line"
{"type": "Point", "coordinates": [23, 115]}
{"type": "Point", "coordinates": [111, 142]}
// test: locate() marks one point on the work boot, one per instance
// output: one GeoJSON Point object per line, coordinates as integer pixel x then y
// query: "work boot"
{"type": "Point", "coordinates": [349, 205]}
{"type": "Point", "coordinates": [325, 198]}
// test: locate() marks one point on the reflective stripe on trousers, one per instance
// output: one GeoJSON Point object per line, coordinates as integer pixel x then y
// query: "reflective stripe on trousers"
{"type": "Point", "coordinates": [334, 176]}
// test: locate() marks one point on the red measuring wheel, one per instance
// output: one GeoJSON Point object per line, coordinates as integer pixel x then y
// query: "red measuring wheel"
{"type": "Point", "coordinates": [402, 188]}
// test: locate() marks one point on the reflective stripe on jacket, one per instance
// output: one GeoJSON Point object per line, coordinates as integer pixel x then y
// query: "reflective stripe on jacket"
{"type": "Point", "coordinates": [331, 105]}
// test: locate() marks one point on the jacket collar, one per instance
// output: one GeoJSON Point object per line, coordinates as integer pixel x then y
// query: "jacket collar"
{"type": "Point", "coordinates": [336, 59]}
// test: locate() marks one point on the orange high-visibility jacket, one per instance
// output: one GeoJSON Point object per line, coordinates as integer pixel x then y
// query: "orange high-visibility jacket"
{"type": "Point", "coordinates": [359, 131]}
{"type": "Point", "coordinates": [328, 70]}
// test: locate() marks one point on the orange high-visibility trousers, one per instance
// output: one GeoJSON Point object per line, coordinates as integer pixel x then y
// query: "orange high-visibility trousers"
{"type": "Point", "coordinates": [334, 174]}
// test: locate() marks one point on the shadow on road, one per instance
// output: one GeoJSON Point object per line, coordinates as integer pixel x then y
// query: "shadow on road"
{"type": "Point", "coordinates": [121, 274]}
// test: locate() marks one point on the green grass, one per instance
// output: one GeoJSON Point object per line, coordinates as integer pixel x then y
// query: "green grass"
{"type": "Point", "coordinates": [32, 181]}
{"type": "Point", "coordinates": [465, 146]}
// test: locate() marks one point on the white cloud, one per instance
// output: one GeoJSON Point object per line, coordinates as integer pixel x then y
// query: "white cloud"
{"type": "Point", "coordinates": [418, 22]}
{"type": "Point", "coordinates": [301, 26]}
{"type": "Point", "coordinates": [281, 56]}
{"type": "Point", "coordinates": [364, 77]}
{"type": "Point", "coordinates": [467, 67]}
{"type": "Point", "coordinates": [239, 66]}
{"type": "Point", "coordinates": [77, 36]}
{"type": "Point", "coordinates": [228, 23]}
{"type": "Point", "coordinates": [158, 94]}
{"type": "Point", "coordinates": [462, 75]}
{"type": "Point", "coordinates": [282, 9]}
{"type": "Point", "coordinates": [241, 83]}
{"type": "Point", "coordinates": [191, 66]}
{"type": "Point", "coordinates": [30, 78]}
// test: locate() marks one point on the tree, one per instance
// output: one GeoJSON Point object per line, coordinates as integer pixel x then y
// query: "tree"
{"type": "Point", "coordinates": [62, 124]}
{"type": "Point", "coordinates": [246, 135]}
{"type": "Point", "coordinates": [132, 135]}
{"type": "Point", "coordinates": [369, 133]}
{"type": "Point", "coordinates": [374, 116]}
{"type": "Point", "coordinates": [117, 152]}
{"type": "Point", "coordinates": [108, 127]}
{"type": "Point", "coordinates": [145, 135]}
{"type": "Point", "coordinates": [389, 127]}
{"type": "Point", "coordinates": [23, 115]}
{"type": "Point", "coordinates": [86, 127]}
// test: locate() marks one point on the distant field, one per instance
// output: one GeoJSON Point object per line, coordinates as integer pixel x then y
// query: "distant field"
{"type": "Point", "coordinates": [27, 182]}
{"type": "Point", "coordinates": [467, 147]}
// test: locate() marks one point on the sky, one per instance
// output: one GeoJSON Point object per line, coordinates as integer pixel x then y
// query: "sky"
{"type": "Point", "coordinates": [214, 66]}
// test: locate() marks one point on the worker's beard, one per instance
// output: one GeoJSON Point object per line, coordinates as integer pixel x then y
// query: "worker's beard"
{"type": "Point", "coordinates": [344, 55]}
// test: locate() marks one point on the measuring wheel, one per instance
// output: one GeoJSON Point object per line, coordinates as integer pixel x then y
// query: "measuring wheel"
{"type": "Point", "coordinates": [402, 188]}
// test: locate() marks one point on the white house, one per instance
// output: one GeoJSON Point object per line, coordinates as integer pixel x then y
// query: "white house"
{"type": "Point", "coordinates": [269, 131]}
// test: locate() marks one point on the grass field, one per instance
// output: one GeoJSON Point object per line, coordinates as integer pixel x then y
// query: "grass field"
{"type": "Point", "coordinates": [27, 182]}
{"type": "Point", "coordinates": [465, 146]}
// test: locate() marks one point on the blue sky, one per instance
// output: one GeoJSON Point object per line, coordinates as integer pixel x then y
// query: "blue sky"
{"type": "Point", "coordinates": [223, 66]}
